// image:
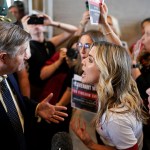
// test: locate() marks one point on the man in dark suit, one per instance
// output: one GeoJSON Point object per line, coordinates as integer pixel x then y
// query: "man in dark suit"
{"type": "Point", "coordinates": [14, 43]}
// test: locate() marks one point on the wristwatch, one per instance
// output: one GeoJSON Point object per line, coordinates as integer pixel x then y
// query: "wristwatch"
{"type": "Point", "coordinates": [135, 66]}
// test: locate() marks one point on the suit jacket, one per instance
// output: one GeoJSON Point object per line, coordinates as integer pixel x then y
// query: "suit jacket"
{"type": "Point", "coordinates": [8, 139]}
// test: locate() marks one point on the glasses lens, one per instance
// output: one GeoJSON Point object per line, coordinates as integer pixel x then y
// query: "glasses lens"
{"type": "Point", "coordinates": [86, 45]}
{"type": "Point", "coordinates": [79, 46]}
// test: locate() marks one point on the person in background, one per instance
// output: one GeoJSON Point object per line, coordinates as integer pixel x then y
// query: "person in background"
{"type": "Point", "coordinates": [120, 114]}
{"type": "Point", "coordinates": [114, 24]}
{"type": "Point", "coordinates": [137, 47]}
{"type": "Point", "coordinates": [60, 68]}
{"type": "Point", "coordinates": [144, 23]}
{"type": "Point", "coordinates": [141, 64]}
{"type": "Point", "coordinates": [18, 11]}
{"type": "Point", "coordinates": [42, 48]}
{"type": "Point", "coordinates": [15, 129]}
{"type": "Point", "coordinates": [141, 74]}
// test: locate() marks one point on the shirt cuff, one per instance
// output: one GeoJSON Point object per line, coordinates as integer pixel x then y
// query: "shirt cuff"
{"type": "Point", "coordinates": [36, 115]}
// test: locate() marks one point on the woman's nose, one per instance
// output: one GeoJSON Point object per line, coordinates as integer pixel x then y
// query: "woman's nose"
{"type": "Point", "coordinates": [82, 50]}
{"type": "Point", "coordinates": [143, 37]}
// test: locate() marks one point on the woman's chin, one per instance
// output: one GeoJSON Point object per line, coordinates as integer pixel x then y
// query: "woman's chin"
{"type": "Point", "coordinates": [82, 80]}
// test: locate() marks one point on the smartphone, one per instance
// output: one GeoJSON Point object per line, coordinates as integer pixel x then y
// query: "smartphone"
{"type": "Point", "coordinates": [34, 19]}
{"type": "Point", "coordinates": [87, 5]}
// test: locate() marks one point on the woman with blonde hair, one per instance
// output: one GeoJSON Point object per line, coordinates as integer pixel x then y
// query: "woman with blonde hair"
{"type": "Point", "coordinates": [120, 115]}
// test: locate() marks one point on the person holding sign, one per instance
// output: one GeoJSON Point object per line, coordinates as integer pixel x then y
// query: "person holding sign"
{"type": "Point", "coordinates": [120, 115]}
{"type": "Point", "coordinates": [106, 34]}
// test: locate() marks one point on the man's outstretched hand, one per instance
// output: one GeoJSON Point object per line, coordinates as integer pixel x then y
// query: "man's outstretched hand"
{"type": "Point", "coordinates": [50, 113]}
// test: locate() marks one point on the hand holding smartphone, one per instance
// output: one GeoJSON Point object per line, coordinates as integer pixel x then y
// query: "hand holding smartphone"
{"type": "Point", "coordinates": [94, 11]}
{"type": "Point", "coordinates": [34, 19]}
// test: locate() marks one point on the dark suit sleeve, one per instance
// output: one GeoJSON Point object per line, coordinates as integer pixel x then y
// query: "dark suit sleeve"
{"type": "Point", "coordinates": [30, 105]}
{"type": "Point", "coordinates": [26, 105]}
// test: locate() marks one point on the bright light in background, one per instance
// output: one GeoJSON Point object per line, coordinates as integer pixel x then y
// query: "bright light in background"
{"type": "Point", "coordinates": [8, 3]}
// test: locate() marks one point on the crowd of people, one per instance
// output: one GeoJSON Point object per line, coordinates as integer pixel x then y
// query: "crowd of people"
{"type": "Point", "coordinates": [37, 73]}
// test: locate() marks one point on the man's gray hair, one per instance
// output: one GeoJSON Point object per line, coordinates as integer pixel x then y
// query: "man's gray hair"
{"type": "Point", "coordinates": [11, 37]}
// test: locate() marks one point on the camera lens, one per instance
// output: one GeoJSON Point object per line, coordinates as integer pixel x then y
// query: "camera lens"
{"type": "Point", "coordinates": [72, 53]}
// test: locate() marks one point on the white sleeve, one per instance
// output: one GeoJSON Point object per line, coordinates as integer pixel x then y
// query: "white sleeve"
{"type": "Point", "coordinates": [121, 133]}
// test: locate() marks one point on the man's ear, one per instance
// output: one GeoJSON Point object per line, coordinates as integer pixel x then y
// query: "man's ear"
{"type": "Point", "coordinates": [3, 57]}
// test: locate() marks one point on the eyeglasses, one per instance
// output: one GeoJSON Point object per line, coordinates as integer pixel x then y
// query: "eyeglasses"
{"type": "Point", "coordinates": [86, 46]}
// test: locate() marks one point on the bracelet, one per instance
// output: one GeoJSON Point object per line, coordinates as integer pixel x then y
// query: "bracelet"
{"type": "Point", "coordinates": [107, 33]}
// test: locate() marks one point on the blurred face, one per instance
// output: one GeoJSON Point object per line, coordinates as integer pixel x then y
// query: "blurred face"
{"type": "Point", "coordinates": [84, 46]}
{"type": "Point", "coordinates": [143, 26]}
{"type": "Point", "coordinates": [35, 29]}
{"type": "Point", "coordinates": [90, 70]}
{"type": "Point", "coordinates": [15, 12]}
{"type": "Point", "coordinates": [16, 63]}
{"type": "Point", "coordinates": [146, 37]}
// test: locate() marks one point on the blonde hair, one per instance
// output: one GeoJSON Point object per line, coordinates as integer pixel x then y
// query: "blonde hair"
{"type": "Point", "coordinates": [116, 85]}
{"type": "Point", "coordinates": [115, 24]}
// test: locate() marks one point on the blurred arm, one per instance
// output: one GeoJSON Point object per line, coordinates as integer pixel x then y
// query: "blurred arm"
{"type": "Point", "coordinates": [65, 99]}
{"type": "Point", "coordinates": [48, 70]}
{"type": "Point", "coordinates": [24, 82]}
{"type": "Point", "coordinates": [83, 23]}
{"type": "Point", "coordinates": [68, 28]}
{"type": "Point", "coordinates": [107, 31]}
